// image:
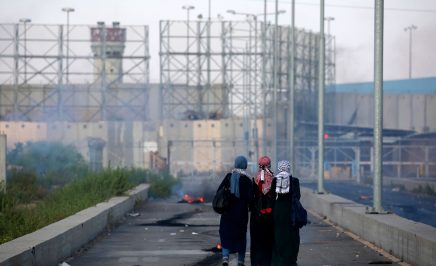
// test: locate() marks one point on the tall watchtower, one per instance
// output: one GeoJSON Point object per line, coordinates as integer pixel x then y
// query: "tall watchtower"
{"type": "Point", "coordinates": [107, 44]}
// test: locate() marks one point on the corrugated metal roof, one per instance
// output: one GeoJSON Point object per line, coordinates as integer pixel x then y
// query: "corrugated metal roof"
{"type": "Point", "coordinates": [402, 86]}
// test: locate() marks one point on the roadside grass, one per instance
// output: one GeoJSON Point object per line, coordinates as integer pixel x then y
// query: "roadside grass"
{"type": "Point", "coordinates": [26, 207]}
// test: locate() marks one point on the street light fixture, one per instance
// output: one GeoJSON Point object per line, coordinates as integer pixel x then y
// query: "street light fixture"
{"type": "Point", "coordinates": [410, 29]}
{"type": "Point", "coordinates": [25, 21]}
{"type": "Point", "coordinates": [328, 19]}
{"type": "Point", "coordinates": [68, 10]}
{"type": "Point", "coordinates": [254, 16]}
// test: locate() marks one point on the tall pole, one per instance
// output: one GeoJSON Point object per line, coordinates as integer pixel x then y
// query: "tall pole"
{"type": "Point", "coordinates": [265, 85]}
{"type": "Point", "coordinates": [68, 10]}
{"type": "Point", "coordinates": [410, 29]}
{"type": "Point", "coordinates": [291, 115]}
{"type": "Point", "coordinates": [378, 104]}
{"type": "Point", "coordinates": [274, 100]}
{"type": "Point", "coordinates": [188, 9]}
{"type": "Point", "coordinates": [256, 87]}
{"type": "Point", "coordinates": [208, 85]}
{"type": "Point", "coordinates": [210, 10]}
{"type": "Point", "coordinates": [321, 85]}
{"type": "Point", "coordinates": [25, 21]}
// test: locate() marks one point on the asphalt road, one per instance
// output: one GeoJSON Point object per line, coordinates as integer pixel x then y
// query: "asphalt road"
{"type": "Point", "coordinates": [415, 207]}
{"type": "Point", "coordinates": [170, 233]}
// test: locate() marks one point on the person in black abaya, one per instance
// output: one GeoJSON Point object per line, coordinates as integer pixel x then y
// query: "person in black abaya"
{"type": "Point", "coordinates": [286, 237]}
{"type": "Point", "coordinates": [261, 219]}
{"type": "Point", "coordinates": [233, 223]}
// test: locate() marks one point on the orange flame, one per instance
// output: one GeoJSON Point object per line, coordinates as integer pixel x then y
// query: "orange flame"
{"type": "Point", "coordinates": [187, 198]}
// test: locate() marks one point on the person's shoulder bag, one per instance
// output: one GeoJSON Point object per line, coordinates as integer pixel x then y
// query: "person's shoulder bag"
{"type": "Point", "coordinates": [221, 200]}
{"type": "Point", "coordinates": [298, 213]}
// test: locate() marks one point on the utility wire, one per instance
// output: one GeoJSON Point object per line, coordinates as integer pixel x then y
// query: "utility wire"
{"type": "Point", "coordinates": [360, 7]}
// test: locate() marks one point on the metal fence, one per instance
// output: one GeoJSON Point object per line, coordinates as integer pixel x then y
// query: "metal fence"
{"type": "Point", "coordinates": [345, 160]}
{"type": "Point", "coordinates": [51, 72]}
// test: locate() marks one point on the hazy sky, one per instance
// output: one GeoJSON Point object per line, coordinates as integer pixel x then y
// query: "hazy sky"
{"type": "Point", "coordinates": [353, 26]}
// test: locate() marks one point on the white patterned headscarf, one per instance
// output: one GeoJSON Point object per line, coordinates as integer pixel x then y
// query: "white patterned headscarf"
{"type": "Point", "coordinates": [283, 180]}
{"type": "Point", "coordinates": [284, 166]}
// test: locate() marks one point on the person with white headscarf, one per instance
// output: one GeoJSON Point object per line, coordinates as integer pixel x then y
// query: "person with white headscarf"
{"type": "Point", "coordinates": [233, 223]}
{"type": "Point", "coordinates": [286, 237]}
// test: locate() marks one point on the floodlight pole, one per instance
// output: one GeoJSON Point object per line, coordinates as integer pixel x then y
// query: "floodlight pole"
{"type": "Point", "coordinates": [378, 104]}
{"type": "Point", "coordinates": [188, 9]}
{"type": "Point", "coordinates": [321, 88]}
{"type": "Point", "coordinates": [25, 21]}
{"type": "Point", "coordinates": [410, 29]}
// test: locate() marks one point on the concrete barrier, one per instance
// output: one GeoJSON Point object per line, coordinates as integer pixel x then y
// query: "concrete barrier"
{"type": "Point", "coordinates": [410, 241]}
{"type": "Point", "coordinates": [57, 241]}
{"type": "Point", "coordinates": [411, 184]}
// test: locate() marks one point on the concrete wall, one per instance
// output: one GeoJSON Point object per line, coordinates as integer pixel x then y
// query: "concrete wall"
{"type": "Point", "coordinates": [197, 145]}
{"type": "Point", "coordinates": [410, 241]}
{"type": "Point", "coordinates": [81, 103]}
{"type": "Point", "coordinates": [124, 140]}
{"type": "Point", "coordinates": [55, 242]}
{"type": "Point", "coordinates": [401, 111]}
{"type": "Point", "coordinates": [409, 183]}
{"type": "Point", "coordinates": [205, 145]}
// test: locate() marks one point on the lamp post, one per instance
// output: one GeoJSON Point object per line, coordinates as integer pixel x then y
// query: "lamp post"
{"type": "Point", "coordinates": [68, 10]}
{"type": "Point", "coordinates": [188, 9]}
{"type": "Point", "coordinates": [378, 107]}
{"type": "Point", "coordinates": [410, 29]}
{"type": "Point", "coordinates": [321, 88]}
{"type": "Point", "coordinates": [25, 21]}
{"type": "Point", "coordinates": [291, 79]}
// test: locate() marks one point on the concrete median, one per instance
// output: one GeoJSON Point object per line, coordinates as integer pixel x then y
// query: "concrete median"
{"type": "Point", "coordinates": [410, 241]}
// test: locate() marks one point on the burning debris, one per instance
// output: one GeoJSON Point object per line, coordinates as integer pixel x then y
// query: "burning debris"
{"type": "Point", "coordinates": [215, 249]}
{"type": "Point", "coordinates": [189, 199]}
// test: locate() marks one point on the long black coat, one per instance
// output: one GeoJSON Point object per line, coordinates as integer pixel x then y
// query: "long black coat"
{"type": "Point", "coordinates": [286, 238]}
{"type": "Point", "coordinates": [233, 223]}
{"type": "Point", "coordinates": [262, 227]}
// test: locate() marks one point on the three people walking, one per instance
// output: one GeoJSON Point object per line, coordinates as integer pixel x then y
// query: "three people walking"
{"type": "Point", "coordinates": [274, 241]}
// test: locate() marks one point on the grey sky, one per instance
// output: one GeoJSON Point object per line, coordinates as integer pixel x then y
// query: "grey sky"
{"type": "Point", "coordinates": [353, 27]}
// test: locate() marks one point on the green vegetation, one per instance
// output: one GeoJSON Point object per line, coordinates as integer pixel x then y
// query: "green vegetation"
{"type": "Point", "coordinates": [26, 207]}
{"type": "Point", "coordinates": [21, 215]}
{"type": "Point", "coordinates": [53, 163]}
{"type": "Point", "coordinates": [42, 192]}
{"type": "Point", "coordinates": [161, 185]}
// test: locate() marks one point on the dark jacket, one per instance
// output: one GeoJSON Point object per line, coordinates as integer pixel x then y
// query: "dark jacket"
{"type": "Point", "coordinates": [233, 223]}
{"type": "Point", "coordinates": [262, 226]}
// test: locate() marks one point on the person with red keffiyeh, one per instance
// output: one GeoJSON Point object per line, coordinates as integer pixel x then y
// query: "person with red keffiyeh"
{"type": "Point", "coordinates": [261, 220]}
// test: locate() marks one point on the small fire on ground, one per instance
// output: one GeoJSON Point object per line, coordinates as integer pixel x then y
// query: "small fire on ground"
{"type": "Point", "coordinates": [215, 249]}
{"type": "Point", "coordinates": [189, 199]}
